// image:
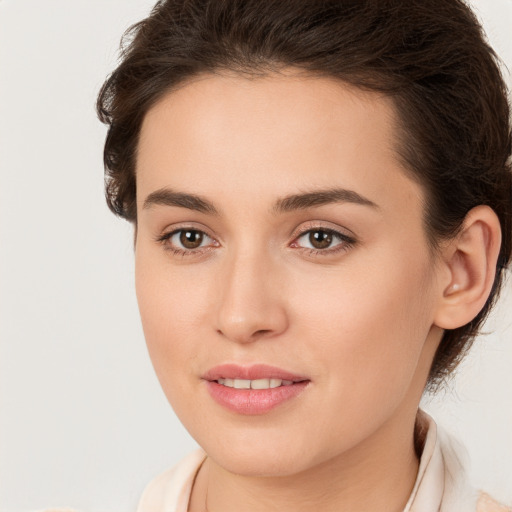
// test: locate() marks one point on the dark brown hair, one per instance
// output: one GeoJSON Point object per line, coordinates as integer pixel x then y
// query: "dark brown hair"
{"type": "Point", "coordinates": [429, 56]}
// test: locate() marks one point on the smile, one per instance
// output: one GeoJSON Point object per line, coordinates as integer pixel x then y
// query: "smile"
{"type": "Point", "coordinates": [254, 384]}
{"type": "Point", "coordinates": [255, 389]}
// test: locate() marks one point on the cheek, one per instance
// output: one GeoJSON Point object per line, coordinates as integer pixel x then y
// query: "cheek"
{"type": "Point", "coordinates": [172, 310]}
{"type": "Point", "coordinates": [171, 298]}
{"type": "Point", "coordinates": [368, 326]}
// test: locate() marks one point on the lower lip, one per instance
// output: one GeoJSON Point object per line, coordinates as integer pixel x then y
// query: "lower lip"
{"type": "Point", "coordinates": [253, 401]}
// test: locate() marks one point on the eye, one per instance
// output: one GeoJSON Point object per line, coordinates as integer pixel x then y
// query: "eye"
{"type": "Point", "coordinates": [187, 240]}
{"type": "Point", "coordinates": [319, 239]}
{"type": "Point", "coordinates": [323, 240]}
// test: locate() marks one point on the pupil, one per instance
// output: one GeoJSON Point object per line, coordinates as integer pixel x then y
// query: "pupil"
{"type": "Point", "coordinates": [320, 239]}
{"type": "Point", "coordinates": [191, 239]}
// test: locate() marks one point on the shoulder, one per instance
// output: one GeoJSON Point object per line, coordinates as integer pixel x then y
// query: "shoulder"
{"type": "Point", "coordinates": [487, 504]}
{"type": "Point", "coordinates": [171, 489]}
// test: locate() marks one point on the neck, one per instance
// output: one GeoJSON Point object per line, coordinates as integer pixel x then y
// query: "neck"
{"type": "Point", "coordinates": [382, 471]}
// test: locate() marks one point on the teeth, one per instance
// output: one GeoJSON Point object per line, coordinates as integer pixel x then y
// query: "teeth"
{"type": "Point", "coordinates": [254, 384]}
{"type": "Point", "coordinates": [260, 384]}
{"type": "Point", "coordinates": [242, 384]}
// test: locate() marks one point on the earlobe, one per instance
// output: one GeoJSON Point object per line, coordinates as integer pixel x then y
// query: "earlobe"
{"type": "Point", "coordinates": [471, 263]}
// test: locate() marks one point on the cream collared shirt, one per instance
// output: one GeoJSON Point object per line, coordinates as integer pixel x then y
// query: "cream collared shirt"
{"type": "Point", "coordinates": [441, 484]}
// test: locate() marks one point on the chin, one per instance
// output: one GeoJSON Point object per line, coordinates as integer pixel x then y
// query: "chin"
{"type": "Point", "coordinates": [259, 463]}
{"type": "Point", "coordinates": [262, 453]}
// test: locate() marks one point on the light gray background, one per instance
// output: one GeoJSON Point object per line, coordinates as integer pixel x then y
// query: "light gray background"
{"type": "Point", "coordinates": [83, 421]}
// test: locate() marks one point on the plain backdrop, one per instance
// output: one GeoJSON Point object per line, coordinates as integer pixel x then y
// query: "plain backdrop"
{"type": "Point", "coordinates": [83, 421]}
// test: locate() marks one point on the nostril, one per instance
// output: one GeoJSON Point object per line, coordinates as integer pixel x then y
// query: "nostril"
{"type": "Point", "coordinates": [261, 333]}
{"type": "Point", "coordinates": [245, 336]}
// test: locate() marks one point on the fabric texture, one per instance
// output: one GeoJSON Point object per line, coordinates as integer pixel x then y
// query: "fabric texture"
{"type": "Point", "coordinates": [441, 484]}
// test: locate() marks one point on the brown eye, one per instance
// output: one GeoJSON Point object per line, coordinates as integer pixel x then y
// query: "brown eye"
{"type": "Point", "coordinates": [187, 241]}
{"type": "Point", "coordinates": [320, 239]}
{"type": "Point", "coordinates": [324, 241]}
{"type": "Point", "coordinates": [190, 238]}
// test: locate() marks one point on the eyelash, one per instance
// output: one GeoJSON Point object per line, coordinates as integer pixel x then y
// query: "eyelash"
{"type": "Point", "coordinates": [165, 238]}
{"type": "Point", "coordinates": [345, 242]}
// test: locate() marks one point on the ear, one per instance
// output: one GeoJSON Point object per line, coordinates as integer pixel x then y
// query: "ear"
{"type": "Point", "coordinates": [470, 263]}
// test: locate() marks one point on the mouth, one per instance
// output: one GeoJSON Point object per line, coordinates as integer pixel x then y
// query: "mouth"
{"type": "Point", "coordinates": [253, 390]}
{"type": "Point", "coordinates": [231, 374]}
{"type": "Point", "coordinates": [254, 384]}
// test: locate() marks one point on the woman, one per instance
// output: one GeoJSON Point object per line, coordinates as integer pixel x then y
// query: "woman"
{"type": "Point", "coordinates": [322, 201]}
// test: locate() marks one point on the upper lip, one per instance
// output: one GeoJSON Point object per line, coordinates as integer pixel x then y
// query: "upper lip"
{"type": "Point", "coordinates": [252, 372]}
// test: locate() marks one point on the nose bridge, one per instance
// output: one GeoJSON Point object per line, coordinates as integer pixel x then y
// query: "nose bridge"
{"type": "Point", "coordinates": [250, 305]}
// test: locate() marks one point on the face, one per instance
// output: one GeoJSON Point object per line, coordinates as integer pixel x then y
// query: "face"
{"type": "Point", "coordinates": [280, 245]}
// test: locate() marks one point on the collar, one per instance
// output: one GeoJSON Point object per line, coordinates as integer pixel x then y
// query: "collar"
{"type": "Point", "coordinates": [442, 483]}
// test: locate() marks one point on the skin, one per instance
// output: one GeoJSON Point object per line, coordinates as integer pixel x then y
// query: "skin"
{"type": "Point", "coordinates": [361, 319]}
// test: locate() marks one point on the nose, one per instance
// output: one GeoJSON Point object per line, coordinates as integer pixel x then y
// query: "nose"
{"type": "Point", "coordinates": [252, 304]}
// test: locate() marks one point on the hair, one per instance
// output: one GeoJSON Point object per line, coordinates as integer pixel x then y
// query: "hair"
{"type": "Point", "coordinates": [430, 56]}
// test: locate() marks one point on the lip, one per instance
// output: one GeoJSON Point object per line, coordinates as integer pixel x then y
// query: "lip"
{"type": "Point", "coordinates": [252, 401]}
{"type": "Point", "coordinates": [253, 372]}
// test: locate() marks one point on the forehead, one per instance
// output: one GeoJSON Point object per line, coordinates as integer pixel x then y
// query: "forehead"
{"type": "Point", "coordinates": [268, 135]}
{"type": "Point", "coordinates": [286, 106]}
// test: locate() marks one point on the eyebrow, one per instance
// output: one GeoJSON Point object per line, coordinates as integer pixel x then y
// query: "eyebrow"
{"type": "Point", "coordinates": [303, 201]}
{"type": "Point", "coordinates": [320, 198]}
{"type": "Point", "coordinates": [167, 197]}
